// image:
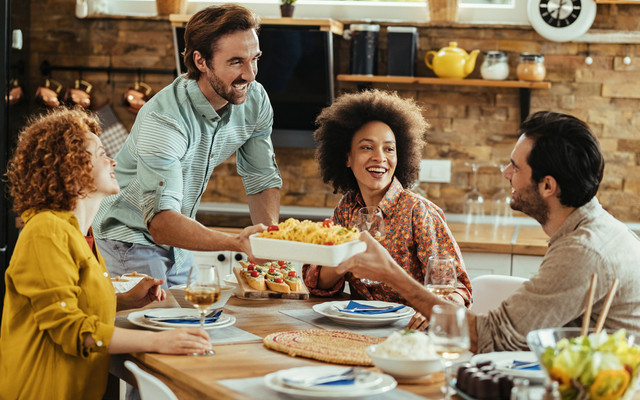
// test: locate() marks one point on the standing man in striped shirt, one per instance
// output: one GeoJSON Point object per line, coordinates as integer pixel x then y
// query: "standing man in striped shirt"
{"type": "Point", "coordinates": [178, 138]}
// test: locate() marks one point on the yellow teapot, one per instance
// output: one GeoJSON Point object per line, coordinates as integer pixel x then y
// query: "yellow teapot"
{"type": "Point", "coordinates": [452, 62]}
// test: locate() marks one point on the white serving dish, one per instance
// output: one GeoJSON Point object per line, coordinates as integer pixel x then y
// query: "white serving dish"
{"type": "Point", "coordinates": [402, 367]}
{"type": "Point", "coordinates": [307, 253]}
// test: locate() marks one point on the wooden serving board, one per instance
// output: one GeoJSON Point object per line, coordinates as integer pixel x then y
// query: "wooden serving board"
{"type": "Point", "coordinates": [249, 292]}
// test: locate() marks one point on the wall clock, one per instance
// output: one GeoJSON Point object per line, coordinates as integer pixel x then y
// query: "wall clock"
{"type": "Point", "coordinates": [561, 20]}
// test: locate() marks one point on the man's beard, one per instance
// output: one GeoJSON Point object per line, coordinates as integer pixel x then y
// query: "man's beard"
{"type": "Point", "coordinates": [228, 94]}
{"type": "Point", "coordinates": [531, 203]}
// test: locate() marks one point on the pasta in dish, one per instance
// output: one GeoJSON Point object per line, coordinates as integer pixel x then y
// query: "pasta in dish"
{"type": "Point", "coordinates": [306, 231]}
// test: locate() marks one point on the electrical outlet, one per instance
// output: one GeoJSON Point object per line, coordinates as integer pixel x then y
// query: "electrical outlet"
{"type": "Point", "coordinates": [435, 171]}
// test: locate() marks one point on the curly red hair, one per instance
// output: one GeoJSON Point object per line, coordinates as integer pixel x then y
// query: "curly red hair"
{"type": "Point", "coordinates": [51, 167]}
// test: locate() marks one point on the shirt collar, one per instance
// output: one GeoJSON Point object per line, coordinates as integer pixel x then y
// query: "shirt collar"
{"type": "Point", "coordinates": [201, 104]}
{"type": "Point", "coordinates": [65, 215]}
{"type": "Point", "coordinates": [390, 198]}
{"type": "Point", "coordinates": [591, 208]}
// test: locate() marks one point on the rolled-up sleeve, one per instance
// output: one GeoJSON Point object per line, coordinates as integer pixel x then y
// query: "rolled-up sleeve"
{"type": "Point", "coordinates": [160, 171]}
{"type": "Point", "coordinates": [49, 278]}
{"type": "Point", "coordinates": [256, 160]}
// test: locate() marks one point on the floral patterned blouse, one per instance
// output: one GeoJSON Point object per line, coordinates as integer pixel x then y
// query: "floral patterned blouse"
{"type": "Point", "coordinates": [415, 230]}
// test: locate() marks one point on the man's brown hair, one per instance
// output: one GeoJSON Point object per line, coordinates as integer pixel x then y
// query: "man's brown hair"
{"type": "Point", "coordinates": [207, 26]}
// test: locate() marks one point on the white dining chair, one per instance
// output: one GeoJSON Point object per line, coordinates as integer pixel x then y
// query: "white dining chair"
{"type": "Point", "coordinates": [490, 290]}
{"type": "Point", "coordinates": [150, 387]}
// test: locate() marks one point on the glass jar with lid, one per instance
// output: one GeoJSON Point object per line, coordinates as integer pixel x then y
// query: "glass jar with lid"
{"type": "Point", "coordinates": [531, 67]}
{"type": "Point", "coordinates": [495, 66]}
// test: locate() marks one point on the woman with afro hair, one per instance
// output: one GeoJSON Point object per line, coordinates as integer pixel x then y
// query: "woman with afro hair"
{"type": "Point", "coordinates": [369, 146]}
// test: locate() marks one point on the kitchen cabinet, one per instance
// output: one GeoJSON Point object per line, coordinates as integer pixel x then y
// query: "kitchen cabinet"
{"type": "Point", "coordinates": [478, 264]}
{"type": "Point", "coordinates": [525, 87]}
{"type": "Point", "coordinates": [525, 266]}
{"type": "Point", "coordinates": [223, 260]}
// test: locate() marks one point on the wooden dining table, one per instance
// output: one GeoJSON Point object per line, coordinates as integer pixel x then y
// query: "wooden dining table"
{"type": "Point", "coordinates": [198, 377]}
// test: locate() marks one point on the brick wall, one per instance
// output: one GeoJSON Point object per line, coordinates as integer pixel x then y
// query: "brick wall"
{"type": "Point", "coordinates": [468, 123]}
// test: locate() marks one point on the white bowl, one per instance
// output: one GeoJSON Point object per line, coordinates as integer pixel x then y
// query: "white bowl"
{"type": "Point", "coordinates": [230, 280]}
{"type": "Point", "coordinates": [404, 368]}
{"type": "Point", "coordinates": [225, 293]}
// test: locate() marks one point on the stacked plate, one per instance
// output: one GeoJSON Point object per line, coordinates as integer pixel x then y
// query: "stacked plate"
{"type": "Point", "coordinates": [170, 318]}
{"type": "Point", "coordinates": [339, 312]}
{"type": "Point", "coordinates": [299, 382]}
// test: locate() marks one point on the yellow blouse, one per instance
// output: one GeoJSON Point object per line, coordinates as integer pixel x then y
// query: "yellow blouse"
{"type": "Point", "coordinates": [56, 290]}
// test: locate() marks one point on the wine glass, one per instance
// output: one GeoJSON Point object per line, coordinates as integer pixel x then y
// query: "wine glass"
{"type": "Point", "coordinates": [449, 334]}
{"type": "Point", "coordinates": [501, 204]}
{"type": "Point", "coordinates": [203, 289]}
{"type": "Point", "coordinates": [473, 201]}
{"type": "Point", "coordinates": [441, 276]}
{"type": "Point", "coordinates": [370, 219]}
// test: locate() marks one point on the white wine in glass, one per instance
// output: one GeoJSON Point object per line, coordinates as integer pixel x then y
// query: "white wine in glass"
{"type": "Point", "coordinates": [449, 334]}
{"type": "Point", "coordinates": [441, 276]}
{"type": "Point", "coordinates": [203, 289]}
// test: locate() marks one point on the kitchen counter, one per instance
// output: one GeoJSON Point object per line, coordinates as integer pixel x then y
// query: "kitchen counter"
{"type": "Point", "coordinates": [524, 236]}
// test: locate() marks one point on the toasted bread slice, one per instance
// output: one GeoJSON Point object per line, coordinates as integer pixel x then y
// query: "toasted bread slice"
{"type": "Point", "coordinates": [256, 282]}
{"type": "Point", "coordinates": [277, 287]}
{"type": "Point", "coordinates": [294, 282]}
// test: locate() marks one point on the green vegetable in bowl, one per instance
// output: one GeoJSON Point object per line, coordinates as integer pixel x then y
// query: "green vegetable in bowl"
{"type": "Point", "coordinates": [597, 366]}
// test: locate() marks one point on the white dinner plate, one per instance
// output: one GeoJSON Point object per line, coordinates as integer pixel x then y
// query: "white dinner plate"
{"type": "Point", "coordinates": [386, 384]}
{"type": "Point", "coordinates": [503, 360]}
{"type": "Point", "coordinates": [341, 305]}
{"type": "Point", "coordinates": [327, 310]}
{"type": "Point", "coordinates": [138, 318]}
{"type": "Point", "coordinates": [169, 313]}
{"type": "Point", "coordinates": [304, 373]}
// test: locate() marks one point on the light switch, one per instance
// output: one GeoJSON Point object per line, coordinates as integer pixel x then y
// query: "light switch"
{"type": "Point", "coordinates": [435, 171]}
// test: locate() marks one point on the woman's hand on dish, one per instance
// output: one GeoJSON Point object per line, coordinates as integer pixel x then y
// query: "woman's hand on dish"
{"type": "Point", "coordinates": [418, 322]}
{"type": "Point", "coordinates": [181, 341]}
{"type": "Point", "coordinates": [146, 291]}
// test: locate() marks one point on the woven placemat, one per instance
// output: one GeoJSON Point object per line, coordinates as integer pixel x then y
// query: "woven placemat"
{"type": "Point", "coordinates": [339, 347]}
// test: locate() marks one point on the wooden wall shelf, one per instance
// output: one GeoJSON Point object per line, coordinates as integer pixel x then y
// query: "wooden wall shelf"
{"type": "Point", "coordinates": [330, 25]}
{"type": "Point", "coordinates": [525, 87]}
{"type": "Point", "coordinates": [618, 2]}
{"type": "Point", "coordinates": [443, 81]}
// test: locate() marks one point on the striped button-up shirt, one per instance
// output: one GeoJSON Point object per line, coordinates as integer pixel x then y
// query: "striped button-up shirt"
{"type": "Point", "coordinates": [175, 144]}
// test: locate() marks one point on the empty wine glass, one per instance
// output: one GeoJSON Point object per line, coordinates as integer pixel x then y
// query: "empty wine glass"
{"type": "Point", "coordinates": [370, 219]}
{"type": "Point", "coordinates": [501, 204]}
{"type": "Point", "coordinates": [203, 289]}
{"type": "Point", "coordinates": [441, 276]}
{"type": "Point", "coordinates": [473, 201]}
{"type": "Point", "coordinates": [449, 334]}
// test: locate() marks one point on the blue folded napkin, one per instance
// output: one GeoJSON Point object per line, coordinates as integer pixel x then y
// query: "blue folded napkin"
{"type": "Point", "coordinates": [357, 308]}
{"type": "Point", "coordinates": [185, 320]}
{"type": "Point", "coordinates": [525, 365]}
{"type": "Point", "coordinates": [341, 382]}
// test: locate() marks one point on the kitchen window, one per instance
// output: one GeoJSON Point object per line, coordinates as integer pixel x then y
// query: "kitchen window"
{"type": "Point", "coordinates": [469, 11]}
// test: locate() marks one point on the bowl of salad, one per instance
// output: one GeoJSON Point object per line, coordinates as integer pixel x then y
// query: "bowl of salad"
{"type": "Point", "coordinates": [598, 366]}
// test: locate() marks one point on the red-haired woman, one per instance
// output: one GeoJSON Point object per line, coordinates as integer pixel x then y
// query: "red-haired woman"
{"type": "Point", "coordinates": [59, 307]}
